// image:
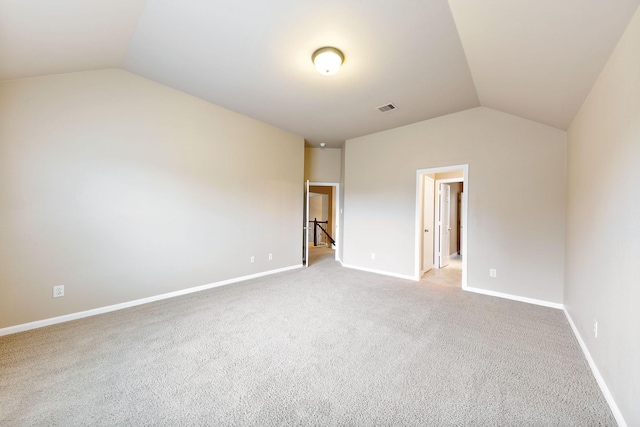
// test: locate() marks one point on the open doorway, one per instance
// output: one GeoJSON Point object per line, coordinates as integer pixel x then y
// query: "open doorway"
{"type": "Point", "coordinates": [448, 217]}
{"type": "Point", "coordinates": [441, 224]}
{"type": "Point", "coordinates": [322, 222]}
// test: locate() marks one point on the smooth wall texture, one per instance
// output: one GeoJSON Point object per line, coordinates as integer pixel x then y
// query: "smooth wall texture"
{"type": "Point", "coordinates": [322, 164]}
{"type": "Point", "coordinates": [120, 188]}
{"type": "Point", "coordinates": [516, 198]}
{"type": "Point", "coordinates": [603, 223]}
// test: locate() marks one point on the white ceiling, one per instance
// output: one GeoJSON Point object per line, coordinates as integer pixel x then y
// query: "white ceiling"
{"type": "Point", "coordinates": [40, 37]}
{"type": "Point", "coordinates": [537, 59]}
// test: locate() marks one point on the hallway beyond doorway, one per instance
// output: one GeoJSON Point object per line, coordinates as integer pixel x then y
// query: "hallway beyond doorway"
{"type": "Point", "coordinates": [318, 254]}
{"type": "Point", "coordinates": [451, 275]}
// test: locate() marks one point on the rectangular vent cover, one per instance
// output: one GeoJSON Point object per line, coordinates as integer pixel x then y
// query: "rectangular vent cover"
{"type": "Point", "coordinates": [385, 108]}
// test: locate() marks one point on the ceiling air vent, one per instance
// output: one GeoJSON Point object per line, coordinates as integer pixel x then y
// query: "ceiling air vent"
{"type": "Point", "coordinates": [385, 108]}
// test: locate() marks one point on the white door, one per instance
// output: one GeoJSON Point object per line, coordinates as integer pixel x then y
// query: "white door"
{"type": "Point", "coordinates": [305, 231]}
{"type": "Point", "coordinates": [427, 223]}
{"type": "Point", "coordinates": [445, 223]}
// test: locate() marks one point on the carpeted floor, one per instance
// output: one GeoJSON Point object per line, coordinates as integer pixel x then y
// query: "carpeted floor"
{"type": "Point", "coordinates": [320, 346]}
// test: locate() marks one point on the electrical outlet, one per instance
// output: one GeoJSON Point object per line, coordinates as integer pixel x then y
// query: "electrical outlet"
{"type": "Point", "coordinates": [373, 256]}
{"type": "Point", "coordinates": [270, 257]}
{"type": "Point", "coordinates": [492, 272]}
{"type": "Point", "coordinates": [58, 291]}
{"type": "Point", "coordinates": [595, 328]}
{"type": "Point", "coordinates": [253, 259]}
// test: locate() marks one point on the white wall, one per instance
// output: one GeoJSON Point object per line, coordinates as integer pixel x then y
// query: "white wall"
{"type": "Point", "coordinates": [120, 188]}
{"type": "Point", "coordinates": [603, 223]}
{"type": "Point", "coordinates": [516, 198]}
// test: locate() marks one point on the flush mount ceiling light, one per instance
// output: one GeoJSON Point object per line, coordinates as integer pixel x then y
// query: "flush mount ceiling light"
{"type": "Point", "coordinates": [327, 60]}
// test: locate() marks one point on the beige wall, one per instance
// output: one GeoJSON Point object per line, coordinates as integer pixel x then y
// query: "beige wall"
{"type": "Point", "coordinates": [450, 174]}
{"type": "Point", "coordinates": [120, 188]}
{"type": "Point", "coordinates": [603, 223]}
{"type": "Point", "coordinates": [516, 198]}
{"type": "Point", "coordinates": [322, 164]}
{"type": "Point", "coordinates": [318, 209]}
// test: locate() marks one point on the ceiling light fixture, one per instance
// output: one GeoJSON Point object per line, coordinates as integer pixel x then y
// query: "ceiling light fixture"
{"type": "Point", "coordinates": [327, 60]}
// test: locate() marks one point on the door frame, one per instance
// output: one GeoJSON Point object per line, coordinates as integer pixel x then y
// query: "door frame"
{"type": "Point", "coordinates": [465, 215]}
{"type": "Point", "coordinates": [423, 226]}
{"type": "Point", "coordinates": [335, 214]}
{"type": "Point", "coordinates": [305, 226]}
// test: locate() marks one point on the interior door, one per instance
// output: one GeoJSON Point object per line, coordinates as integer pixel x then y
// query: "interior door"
{"type": "Point", "coordinates": [427, 223]}
{"type": "Point", "coordinates": [445, 223]}
{"type": "Point", "coordinates": [305, 230]}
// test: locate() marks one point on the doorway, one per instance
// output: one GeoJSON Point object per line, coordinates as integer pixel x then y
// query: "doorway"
{"type": "Point", "coordinates": [441, 221]}
{"type": "Point", "coordinates": [428, 223]}
{"type": "Point", "coordinates": [444, 224]}
{"type": "Point", "coordinates": [448, 211]}
{"type": "Point", "coordinates": [322, 228]}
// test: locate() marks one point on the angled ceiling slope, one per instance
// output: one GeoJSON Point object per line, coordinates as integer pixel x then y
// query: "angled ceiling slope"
{"type": "Point", "coordinates": [537, 59]}
{"type": "Point", "coordinates": [41, 37]}
{"type": "Point", "coordinates": [254, 57]}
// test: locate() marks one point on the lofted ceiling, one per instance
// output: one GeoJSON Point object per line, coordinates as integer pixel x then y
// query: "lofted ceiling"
{"type": "Point", "coordinates": [536, 59]}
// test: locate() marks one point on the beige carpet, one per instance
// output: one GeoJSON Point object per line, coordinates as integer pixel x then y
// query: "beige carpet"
{"type": "Point", "coordinates": [323, 346]}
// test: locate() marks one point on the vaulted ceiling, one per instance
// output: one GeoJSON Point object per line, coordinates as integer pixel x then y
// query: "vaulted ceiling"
{"type": "Point", "coordinates": [536, 59]}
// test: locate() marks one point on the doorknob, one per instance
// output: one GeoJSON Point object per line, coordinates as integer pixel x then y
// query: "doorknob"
{"type": "Point", "coordinates": [426, 231]}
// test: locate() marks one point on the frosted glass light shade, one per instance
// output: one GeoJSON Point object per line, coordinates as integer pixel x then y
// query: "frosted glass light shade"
{"type": "Point", "coordinates": [327, 60]}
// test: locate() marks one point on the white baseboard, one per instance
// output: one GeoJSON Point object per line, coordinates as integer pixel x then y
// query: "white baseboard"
{"type": "Point", "coordinates": [543, 303]}
{"type": "Point", "coordinates": [101, 310]}
{"type": "Point", "coordinates": [596, 373]}
{"type": "Point", "coordinates": [384, 273]}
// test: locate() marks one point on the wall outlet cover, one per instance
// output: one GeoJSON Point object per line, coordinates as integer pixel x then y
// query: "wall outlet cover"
{"type": "Point", "coordinates": [58, 291]}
